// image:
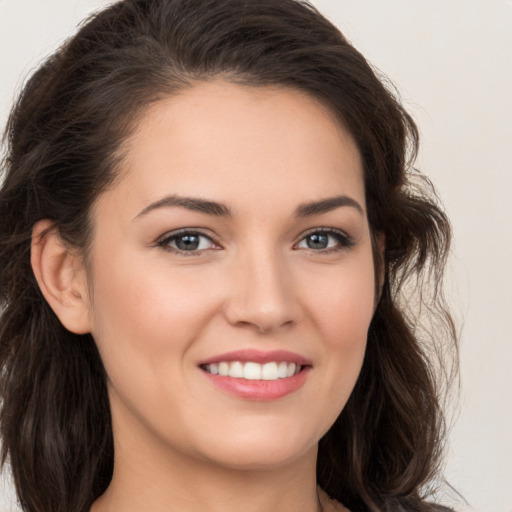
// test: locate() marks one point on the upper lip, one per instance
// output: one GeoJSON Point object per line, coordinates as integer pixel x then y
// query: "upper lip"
{"type": "Point", "coordinates": [258, 356]}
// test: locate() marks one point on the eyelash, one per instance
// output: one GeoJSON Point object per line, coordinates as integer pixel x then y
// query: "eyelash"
{"type": "Point", "coordinates": [344, 241]}
{"type": "Point", "coordinates": [167, 239]}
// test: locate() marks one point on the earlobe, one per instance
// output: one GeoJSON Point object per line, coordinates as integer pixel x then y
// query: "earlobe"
{"type": "Point", "coordinates": [60, 276]}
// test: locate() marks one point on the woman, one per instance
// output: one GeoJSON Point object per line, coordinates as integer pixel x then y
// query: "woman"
{"type": "Point", "coordinates": [208, 222]}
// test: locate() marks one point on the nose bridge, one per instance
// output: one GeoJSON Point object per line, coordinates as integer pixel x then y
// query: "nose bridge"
{"type": "Point", "coordinates": [262, 295]}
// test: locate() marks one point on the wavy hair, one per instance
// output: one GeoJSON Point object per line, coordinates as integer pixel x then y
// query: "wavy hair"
{"type": "Point", "coordinates": [62, 145]}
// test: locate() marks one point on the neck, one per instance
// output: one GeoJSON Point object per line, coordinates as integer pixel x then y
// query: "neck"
{"type": "Point", "coordinates": [146, 479]}
{"type": "Point", "coordinates": [211, 489]}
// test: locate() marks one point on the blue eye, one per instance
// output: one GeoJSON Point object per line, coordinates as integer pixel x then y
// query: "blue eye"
{"type": "Point", "coordinates": [187, 241]}
{"type": "Point", "coordinates": [325, 240]}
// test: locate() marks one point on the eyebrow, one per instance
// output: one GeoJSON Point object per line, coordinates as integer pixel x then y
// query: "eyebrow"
{"type": "Point", "coordinates": [190, 203]}
{"type": "Point", "coordinates": [220, 210]}
{"type": "Point", "coordinates": [327, 205]}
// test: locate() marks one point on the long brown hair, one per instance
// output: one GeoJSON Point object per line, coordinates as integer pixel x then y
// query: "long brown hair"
{"type": "Point", "coordinates": [62, 143]}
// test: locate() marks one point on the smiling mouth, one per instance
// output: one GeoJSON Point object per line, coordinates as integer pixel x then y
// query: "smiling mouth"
{"type": "Point", "coordinates": [254, 371]}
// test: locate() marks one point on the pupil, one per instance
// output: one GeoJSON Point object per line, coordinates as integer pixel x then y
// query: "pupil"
{"type": "Point", "coordinates": [318, 241]}
{"type": "Point", "coordinates": [187, 242]}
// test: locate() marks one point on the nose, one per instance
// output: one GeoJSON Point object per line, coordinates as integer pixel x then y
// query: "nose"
{"type": "Point", "coordinates": [262, 294]}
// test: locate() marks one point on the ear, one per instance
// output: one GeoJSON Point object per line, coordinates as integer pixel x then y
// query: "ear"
{"type": "Point", "coordinates": [60, 276]}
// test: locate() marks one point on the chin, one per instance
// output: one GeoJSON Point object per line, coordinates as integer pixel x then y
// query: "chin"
{"type": "Point", "coordinates": [258, 452]}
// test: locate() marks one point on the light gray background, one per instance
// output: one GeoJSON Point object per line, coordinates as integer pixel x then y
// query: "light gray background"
{"type": "Point", "coordinates": [452, 61]}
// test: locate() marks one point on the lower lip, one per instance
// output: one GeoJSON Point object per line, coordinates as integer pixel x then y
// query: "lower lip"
{"type": "Point", "coordinates": [259, 390]}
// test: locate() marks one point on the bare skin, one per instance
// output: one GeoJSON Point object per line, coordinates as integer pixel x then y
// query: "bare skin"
{"type": "Point", "coordinates": [282, 261]}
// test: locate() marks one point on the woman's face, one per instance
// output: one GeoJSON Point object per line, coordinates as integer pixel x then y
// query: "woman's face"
{"type": "Point", "coordinates": [232, 277]}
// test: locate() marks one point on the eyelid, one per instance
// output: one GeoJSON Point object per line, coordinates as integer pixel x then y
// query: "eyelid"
{"type": "Point", "coordinates": [345, 240]}
{"type": "Point", "coordinates": [164, 240]}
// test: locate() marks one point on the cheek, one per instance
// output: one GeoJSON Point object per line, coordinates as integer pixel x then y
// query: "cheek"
{"type": "Point", "coordinates": [143, 317]}
{"type": "Point", "coordinates": [343, 305]}
{"type": "Point", "coordinates": [343, 302]}
{"type": "Point", "coordinates": [145, 324]}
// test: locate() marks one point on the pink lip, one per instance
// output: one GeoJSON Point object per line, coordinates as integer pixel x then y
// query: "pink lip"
{"type": "Point", "coordinates": [258, 356]}
{"type": "Point", "coordinates": [259, 390]}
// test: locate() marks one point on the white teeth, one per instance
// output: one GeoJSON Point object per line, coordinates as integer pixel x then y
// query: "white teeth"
{"type": "Point", "coordinates": [254, 371]}
{"type": "Point", "coordinates": [269, 371]}
{"type": "Point", "coordinates": [291, 369]}
{"type": "Point", "coordinates": [236, 370]}
{"type": "Point", "coordinates": [282, 370]}
{"type": "Point", "coordinates": [224, 369]}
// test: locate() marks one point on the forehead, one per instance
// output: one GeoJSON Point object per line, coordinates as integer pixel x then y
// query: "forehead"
{"type": "Point", "coordinates": [226, 141]}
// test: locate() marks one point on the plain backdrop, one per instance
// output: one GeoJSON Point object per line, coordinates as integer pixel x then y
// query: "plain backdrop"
{"type": "Point", "coordinates": [452, 62]}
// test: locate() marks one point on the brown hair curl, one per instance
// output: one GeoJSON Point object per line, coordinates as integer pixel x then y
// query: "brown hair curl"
{"type": "Point", "coordinates": [63, 138]}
